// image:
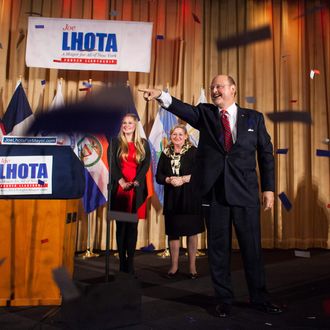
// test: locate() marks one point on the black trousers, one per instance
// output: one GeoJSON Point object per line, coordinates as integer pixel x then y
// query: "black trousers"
{"type": "Point", "coordinates": [246, 221]}
{"type": "Point", "coordinates": [126, 235]}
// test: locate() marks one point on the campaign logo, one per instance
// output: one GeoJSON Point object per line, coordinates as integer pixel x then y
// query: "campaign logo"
{"type": "Point", "coordinates": [89, 150]}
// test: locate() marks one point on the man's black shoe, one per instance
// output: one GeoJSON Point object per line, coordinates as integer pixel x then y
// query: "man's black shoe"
{"type": "Point", "coordinates": [267, 307]}
{"type": "Point", "coordinates": [223, 310]}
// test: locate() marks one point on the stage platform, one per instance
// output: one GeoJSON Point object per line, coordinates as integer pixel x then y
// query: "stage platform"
{"type": "Point", "coordinates": [300, 285]}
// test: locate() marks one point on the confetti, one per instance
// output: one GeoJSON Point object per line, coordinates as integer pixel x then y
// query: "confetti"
{"type": "Point", "coordinates": [41, 182]}
{"type": "Point", "coordinates": [39, 26]}
{"type": "Point", "coordinates": [285, 201]}
{"type": "Point", "coordinates": [322, 153]}
{"type": "Point", "coordinates": [250, 99]}
{"type": "Point", "coordinates": [326, 141]}
{"type": "Point", "coordinates": [313, 72]}
{"type": "Point", "coordinates": [101, 113]}
{"type": "Point", "coordinates": [20, 38]}
{"type": "Point", "coordinates": [33, 13]}
{"type": "Point", "coordinates": [113, 13]}
{"type": "Point", "coordinates": [1, 46]}
{"type": "Point", "coordinates": [246, 38]}
{"type": "Point", "coordinates": [290, 116]}
{"type": "Point", "coordinates": [45, 240]}
{"type": "Point", "coordinates": [2, 260]}
{"type": "Point", "coordinates": [282, 151]}
{"type": "Point", "coordinates": [310, 11]}
{"type": "Point", "coordinates": [68, 289]}
{"type": "Point", "coordinates": [148, 248]}
{"type": "Point", "coordinates": [293, 101]}
{"type": "Point", "coordinates": [196, 19]}
{"type": "Point", "coordinates": [43, 82]}
{"type": "Point", "coordinates": [302, 254]}
{"type": "Point", "coordinates": [87, 84]}
{"type": "Point", "coordinates": [159, 37]}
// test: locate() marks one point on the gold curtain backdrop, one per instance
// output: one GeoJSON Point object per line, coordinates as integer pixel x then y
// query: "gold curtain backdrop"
{"type": "Point", "coordinates": [275, 72]}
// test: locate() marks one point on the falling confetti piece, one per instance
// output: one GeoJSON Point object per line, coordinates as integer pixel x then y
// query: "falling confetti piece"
{"type": "Point", "coordinates": [196, 19]}
{"type": "Point", "coordinates": [87, 84]}
{"type": "Point", "coordinates": [242, 39]}
{"type": "Point", "coordinates": [323, 153]}
{"type": "Point", "coordinates": [44, 241]}
{"type": "Point", "coordinates": [313, 73]}
{"type": "Point", "coordinates": [282, 151]}
{"type": "Point", "coordinates": [285, 201]}
{"type": "Point", "coordinates": [302, 254]}
{"type": "Point", "coordinates": [290, 116]}
{"type": "Point", "coordinates": [250, 99]}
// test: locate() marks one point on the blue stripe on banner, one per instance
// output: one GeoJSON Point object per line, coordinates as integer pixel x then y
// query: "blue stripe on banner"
{"type": "Point", "coordinates": [285, 201]}
{"type": "Point", "coordinates": [322, 153]}
{"type": "Point", "coordinates": [93, 197]}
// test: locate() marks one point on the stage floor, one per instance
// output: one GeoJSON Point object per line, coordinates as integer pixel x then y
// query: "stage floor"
{"type": "Point", "coordinates": [300, 285]}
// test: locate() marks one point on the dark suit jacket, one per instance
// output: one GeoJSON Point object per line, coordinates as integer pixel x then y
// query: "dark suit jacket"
{"type": "Point", "coordinates": [233, 175]}
{"type": "Point", "coordinates": [141, 171]}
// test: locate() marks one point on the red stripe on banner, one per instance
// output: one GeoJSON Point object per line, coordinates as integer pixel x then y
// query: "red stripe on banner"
{"type": "Point", "coordinates": [23, 185]}
{"type": "Point", "coordinates": [85, 60]}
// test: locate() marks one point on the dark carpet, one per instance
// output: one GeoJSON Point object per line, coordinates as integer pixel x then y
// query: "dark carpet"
{"type": "Point", "coordinates": [148, 300]}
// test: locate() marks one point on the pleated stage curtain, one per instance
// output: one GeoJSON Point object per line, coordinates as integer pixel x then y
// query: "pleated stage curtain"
{"type": "Point", "coordinates": [274, 72]}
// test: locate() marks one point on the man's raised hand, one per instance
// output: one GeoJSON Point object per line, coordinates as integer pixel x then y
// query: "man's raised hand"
{"type": "Point", "coordinates": [150, 93]}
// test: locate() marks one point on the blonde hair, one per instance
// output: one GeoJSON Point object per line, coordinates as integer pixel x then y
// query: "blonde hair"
{"type": "Point", "coordinates": [184, 128]}
{"type": "Point", "coordinates": [138, 142]}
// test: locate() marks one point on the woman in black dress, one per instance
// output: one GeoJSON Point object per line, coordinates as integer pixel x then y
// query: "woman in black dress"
{"type": "Point", "coordinates": [182, 203]}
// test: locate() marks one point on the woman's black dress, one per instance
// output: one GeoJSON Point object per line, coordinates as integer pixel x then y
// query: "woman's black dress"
{"type": "Point", "coordinates": [182, 205]}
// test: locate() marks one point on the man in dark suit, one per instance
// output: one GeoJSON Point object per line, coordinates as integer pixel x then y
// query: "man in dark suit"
{"type": "Point", "coordinates": [225, 171]}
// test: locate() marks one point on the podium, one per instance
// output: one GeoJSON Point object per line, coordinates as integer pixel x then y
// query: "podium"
{"type": "Point", "coordinates": [37, 230]}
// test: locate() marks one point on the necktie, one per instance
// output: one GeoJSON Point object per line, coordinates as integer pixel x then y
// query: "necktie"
{"type": "Point", "coordinates": [227, 132]}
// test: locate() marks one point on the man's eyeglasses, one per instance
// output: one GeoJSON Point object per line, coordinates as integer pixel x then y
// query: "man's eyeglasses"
{"type": "Point", "coordinates": [218, 86]}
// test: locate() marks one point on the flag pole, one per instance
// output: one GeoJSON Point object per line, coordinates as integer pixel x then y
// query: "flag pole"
{"type": "Point", "coordinates": [89, 251]}
{"type": "Point", "coordinates": [166, 253]}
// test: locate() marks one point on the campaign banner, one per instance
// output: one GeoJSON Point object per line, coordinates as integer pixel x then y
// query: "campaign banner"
{"type": "Point", "coordinates": [29, 140]}
{"type": "Point", "coordinates": [81, 44]}
{"type": "Point", "coordinates": [26, 175]}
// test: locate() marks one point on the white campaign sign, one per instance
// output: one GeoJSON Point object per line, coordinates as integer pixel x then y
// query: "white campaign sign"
{"type": "Point", "coordinates": [81, 44]}
{"type": "Point", "coordinates": [26, 175]}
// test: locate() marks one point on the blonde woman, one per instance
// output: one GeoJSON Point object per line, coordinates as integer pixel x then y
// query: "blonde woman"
{"type": "Point", "coordinates": [181, 202]}
{"type": "Point", "coordinates": [129, 164]}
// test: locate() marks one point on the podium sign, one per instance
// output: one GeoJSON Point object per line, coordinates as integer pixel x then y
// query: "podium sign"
{"type": "Point", "coordinates": [40, 172]}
